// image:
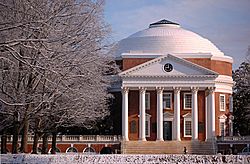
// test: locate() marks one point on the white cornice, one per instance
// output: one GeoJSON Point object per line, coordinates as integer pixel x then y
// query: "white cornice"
{"type": "Point", "coordinates": [224, 79]}
{"type": "Point", "coordinates": [181, 55]}
{"type": "Point", "coordinates": [172, 57]}
{"type": "Point", "coordinates": [222, 58]}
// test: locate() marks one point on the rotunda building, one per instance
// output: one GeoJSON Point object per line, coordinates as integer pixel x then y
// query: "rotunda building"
{"type": "Point", "coordinates": [175, 86]}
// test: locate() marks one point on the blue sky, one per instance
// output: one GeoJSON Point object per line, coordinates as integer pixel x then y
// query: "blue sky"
{"type": "Point", "coordinates": [224, 22]}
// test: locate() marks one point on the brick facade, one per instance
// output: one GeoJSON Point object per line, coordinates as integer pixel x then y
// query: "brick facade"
{"type": "Point", "coordinates": [221, 67]}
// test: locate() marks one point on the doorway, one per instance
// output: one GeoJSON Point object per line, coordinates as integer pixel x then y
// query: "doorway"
{"type": "Point", "coordinates": [167, 130]}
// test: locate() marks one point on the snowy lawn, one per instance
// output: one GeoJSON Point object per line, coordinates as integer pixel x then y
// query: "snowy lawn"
{"type": "Point", "coordinates": [121, 158]}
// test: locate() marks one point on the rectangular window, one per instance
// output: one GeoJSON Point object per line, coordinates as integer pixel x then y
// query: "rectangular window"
{"type": "Point", "coordinates": [147, 125]}
{"type": "Point", "coordinates": [147, 101]}
{"type": "Point", "coordinates": [187, 101]}
{"type": "Point", "coordinates": [222, 128]}
{"type": "Point", "coordinates": [146, 131]}
{"type": "Point", "coordinates": [188, 128]}
{"type": "Point", "coordinates": [167, 99]}
{"type": "Point", "coordinates": [222, 103]}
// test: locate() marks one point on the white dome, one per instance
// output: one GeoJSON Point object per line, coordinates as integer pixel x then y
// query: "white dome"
{"type": "Point", "coordinates": [168, 38]}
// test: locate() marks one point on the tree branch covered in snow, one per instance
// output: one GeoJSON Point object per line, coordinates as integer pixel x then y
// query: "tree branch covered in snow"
{"type": "Point", "coordinates": [54, 61]}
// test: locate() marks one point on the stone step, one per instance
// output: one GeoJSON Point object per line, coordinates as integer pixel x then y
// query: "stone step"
{"type": "Point", "coordinates": [167, 147]}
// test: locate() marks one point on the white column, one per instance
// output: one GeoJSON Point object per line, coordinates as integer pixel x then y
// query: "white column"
{"type": "Point", "coordinates": [212, 111]}
{"type": "Point", "coordinates": [125, 113]}
{"type": "Point", "coordinates": [177, 122]}
{"type": "Point", "coordinates": [207, 115]}
{"type": "Point", "coordinates": [159, 114]}
{"type": "Point", "coordinates": [210, 114]}
{"type": "Point", "coordinates": [194, 113]}
{"type": "Point", "coordinates": [142, 135]}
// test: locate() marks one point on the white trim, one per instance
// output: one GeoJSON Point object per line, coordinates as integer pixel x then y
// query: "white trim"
{"type": "Point", "coordinates": [184, 101]}
{"type": "Point", "coordinates": [222, 58]}
{"type": "Point", "coordinates": [222, 121]}
{"type": "Point", "coordinates": [56, 152]}
{"type": "Point", "coordinates": [169, 93]}
{"type": "Point", "coordinates": [141, 55]}
{"type": "Point", "coordinates": [206, 71]}
{"type": "Point", "coordinates": [147, 103]}
{"type": "Point", "coordinates": [71, 152]}
{"type": "Point", "coordinates": [89, 148]}
{"type": "Point", "coordinates": [148, 116]}
{"type": "Point", "coordinates": [224, 105]}
{"type": "Point", "coordinates": [167, 116]}
{"type": "Point", "coordinates": [182, 55]}
{"type": "Point", "coordinates": [187, 119]}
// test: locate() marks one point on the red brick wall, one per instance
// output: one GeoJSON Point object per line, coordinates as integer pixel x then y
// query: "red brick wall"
{"type": "Point", "coordinates": [134, 112]}
{"type": "Point", "coordinates": [79, 146]}
{"type": "Point", "coordinates": [153, 119]}
{"type": "Point", "coordinates": [218, 113]}
{"type": "Point", "coordinates": [132, 62]}
{"type": "Point", "coordinates": [221, 67]}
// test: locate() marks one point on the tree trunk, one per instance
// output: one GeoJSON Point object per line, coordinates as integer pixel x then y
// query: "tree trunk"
{"type": "Point", "coordinates": [53, 150]}
{"type": "Point", "coordinates": [3, 144]}
{"type": "Point", "coordinates": [24, 142]}
{"type": "Point", "coordinates": [35, 143]}
{"type": "Point", "coordinates": [45, 143]}
{"type": "Point", "coordinates": [15, 134]}
{"type": "Point", "coordinates": [36, 136]}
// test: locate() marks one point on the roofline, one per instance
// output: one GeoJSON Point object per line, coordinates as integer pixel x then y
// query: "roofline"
{"type": "Point", "coordinates": [161, 58]}
{"type": "Point", "coordinates": [181, 55]}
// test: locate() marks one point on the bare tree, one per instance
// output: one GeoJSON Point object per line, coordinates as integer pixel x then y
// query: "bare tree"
{"type": "Point", "coordinates": [53, 63]}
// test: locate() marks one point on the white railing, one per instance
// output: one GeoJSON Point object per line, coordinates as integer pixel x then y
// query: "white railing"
{"type": "Point", "coordinates": [234, 138]}
{"type": "Point", "coordinates": [74, 138]}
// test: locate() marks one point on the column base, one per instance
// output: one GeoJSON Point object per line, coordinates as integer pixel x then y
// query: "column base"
{"type": "Point", "coordinates": [125, 139]}
{"type": "Point", "coordinates": [160, 139]}
{"type": "Point", "coordinates": [142, 139]}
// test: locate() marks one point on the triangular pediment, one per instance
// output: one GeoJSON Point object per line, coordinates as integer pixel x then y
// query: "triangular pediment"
{"type": "Point", "coordinates": [223, 117]}
{"type": "Point", "coordinates": [168, 65]}
{"type": "Point", "coordinates": [187, 115]}
{"type": "Point", "coordinates": [168, 115]}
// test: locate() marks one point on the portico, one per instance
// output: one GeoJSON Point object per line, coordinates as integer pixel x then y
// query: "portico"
{"type": "Point", "coordinates": [176, 123]}
{"type": "Point", "coordinates": [184, 83]}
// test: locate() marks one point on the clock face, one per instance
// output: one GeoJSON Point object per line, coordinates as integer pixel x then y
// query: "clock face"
{"type": "Point", "coordinates": [168, 67]}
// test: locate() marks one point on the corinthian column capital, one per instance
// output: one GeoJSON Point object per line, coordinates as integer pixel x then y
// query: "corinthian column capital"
{"type": "Point", "coordinates": [177, 89]}
{"type": "Point", "coordinates": [194, 89]}
{"type": "Point", "coordinates": [125, 89]}
{"type": "Point", "coordinates": [159, 90]}
{"type": "Point", "coordinates": [211, 90]}
{"type": "Point", "coordinates": [142, 89]}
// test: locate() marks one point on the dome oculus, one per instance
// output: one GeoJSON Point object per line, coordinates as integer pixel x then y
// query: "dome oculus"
{"type": "Point", "coordinates": [168, 67]}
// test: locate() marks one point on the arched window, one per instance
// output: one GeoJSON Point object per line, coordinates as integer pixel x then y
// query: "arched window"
{"type": "Point", "coordinates": [57, 150]}
{"type": "Point", "coordinates": [39, 150]}
{"type": "Point", "coordinates": [71, 150]}
{"type": "Point", "coordinates": [89, 150]}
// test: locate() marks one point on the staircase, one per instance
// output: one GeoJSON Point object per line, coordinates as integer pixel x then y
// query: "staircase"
{"type": "Point", "coordinates": [167, 147]}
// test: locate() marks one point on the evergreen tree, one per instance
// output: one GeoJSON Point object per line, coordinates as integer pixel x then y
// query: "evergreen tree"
{"type": "Point", "coordinates": [241, 97]}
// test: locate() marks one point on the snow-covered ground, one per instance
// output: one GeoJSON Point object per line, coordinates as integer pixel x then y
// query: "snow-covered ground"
{"type": "Point", "coordinates": [122, 159]}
